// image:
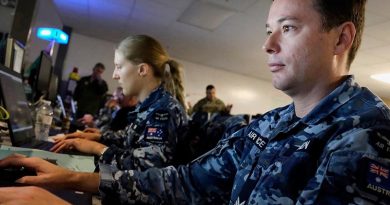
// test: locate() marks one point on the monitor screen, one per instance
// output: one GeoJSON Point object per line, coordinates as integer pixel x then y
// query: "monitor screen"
{"type": "Point", "coordinates": [18, 57]}
{"type": "Point", "coordinates": [14, 53]}
{"type": "Point", "coordinates": [53, 86]}
{"type": "Point", "coordinates": [44, 72]}
{"type": "Point", "coordinates": [14, 100]}
{"type": "Point", "coordinates": [61, 103]}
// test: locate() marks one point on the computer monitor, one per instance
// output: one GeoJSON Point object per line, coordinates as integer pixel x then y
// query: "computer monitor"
{"type": "Point", "coordinates": [14, 54]}
{"type": "Point", "coordinates": [18, 55]}
{"type": "Point", "coordinates": [44, 72]}
{"type": "Point", "coordinates": [61, 104]}
{"type": "Point", "coordinates": [39, 76]}
{"type": "Point", "coordinates": [53, 87]}
{"type": "Point", "coordinates": [13, 99]}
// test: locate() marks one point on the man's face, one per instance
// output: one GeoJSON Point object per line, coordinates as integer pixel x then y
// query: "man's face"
{"type": "Point", "coordinates": [300, 53]}
{"type": "Point", "coordinates": [98, 72]}
{"type": "Point", "coordinates": [210, 94]}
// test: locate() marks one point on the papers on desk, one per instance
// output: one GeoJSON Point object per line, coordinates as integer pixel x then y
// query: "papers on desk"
{"type": "Point", "coordinates": [72, 162]}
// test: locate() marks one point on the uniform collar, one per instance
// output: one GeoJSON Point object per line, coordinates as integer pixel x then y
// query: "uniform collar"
{"type": "Point", "coordinates": [283, 119]}
{"type": "Point", "coordinates": [347, 89]}
{"type": "Point", "coordinates": [338, 97]}
{"type": "Point", "coordinates": [153, 96]}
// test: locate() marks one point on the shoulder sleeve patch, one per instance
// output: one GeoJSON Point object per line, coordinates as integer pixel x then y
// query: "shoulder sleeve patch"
{"type": "Point", "coordinates": [155, 134]}
{"type": "Point", "coordinates": [374, 177]}
{"type": "Point", "coordinates": [161, 116]}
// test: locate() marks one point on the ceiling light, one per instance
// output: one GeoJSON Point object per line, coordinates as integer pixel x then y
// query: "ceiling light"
{"type": "Point", "coordinates": [384, 77]}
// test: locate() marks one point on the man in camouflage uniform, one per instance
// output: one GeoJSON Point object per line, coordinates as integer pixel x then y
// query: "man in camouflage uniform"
{"type": "Point", "coordinates": [208, 104]}
{"type": "Point", "coordinates": [330, 146]}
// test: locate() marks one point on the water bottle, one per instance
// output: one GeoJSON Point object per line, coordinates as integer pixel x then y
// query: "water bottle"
{"type": "Point", "coordinates": [43, 120]}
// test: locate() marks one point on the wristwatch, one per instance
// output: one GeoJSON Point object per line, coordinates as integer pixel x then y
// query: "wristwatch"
{"type": "Point", "coordinates": [103, 150]}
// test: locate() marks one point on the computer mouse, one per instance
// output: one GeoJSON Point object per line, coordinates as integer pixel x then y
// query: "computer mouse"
{"type": "Point", "coordinates": [11, 174]}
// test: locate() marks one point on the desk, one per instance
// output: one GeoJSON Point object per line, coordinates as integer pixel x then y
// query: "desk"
{"type": "Point", "coordinates": [73, 197]}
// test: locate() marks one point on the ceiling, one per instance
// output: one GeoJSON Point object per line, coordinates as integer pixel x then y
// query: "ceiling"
{"type": "Point", "coordinates": [234, 45]}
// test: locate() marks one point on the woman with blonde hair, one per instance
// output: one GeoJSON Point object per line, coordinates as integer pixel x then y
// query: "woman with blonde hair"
{"type": "Point", "coordinates": [143, 69]}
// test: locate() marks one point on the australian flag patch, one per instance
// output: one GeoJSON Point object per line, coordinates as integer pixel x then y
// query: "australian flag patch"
{"type": "Point", "coordinates": [377, 177]}
{"type": "Point", "coordinates": [155, 134]}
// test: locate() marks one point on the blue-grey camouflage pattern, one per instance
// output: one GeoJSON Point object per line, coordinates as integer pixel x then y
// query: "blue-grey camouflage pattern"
{"type": "Point", "coordinates": [151, 137]}
{"type": "Point", "coordinates": [104, 118]}
{"type": "Point", "coordinates": [339, 153]}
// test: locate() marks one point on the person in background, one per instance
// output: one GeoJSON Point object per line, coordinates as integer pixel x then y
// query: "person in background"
{"type": "Point", "coordinates": [113, 115]}
{"type": "Point", "coordinates": [208, 104]}
{"type": "Point", "coordinates": [119, 117]}
{"type": "Point", "coordinates": [90, 92]}
{"type": "Point", "coordinates": [329, 146]}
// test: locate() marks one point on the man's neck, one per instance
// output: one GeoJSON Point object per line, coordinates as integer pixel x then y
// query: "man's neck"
{"type": "Point", "coordinates": [306, 101]}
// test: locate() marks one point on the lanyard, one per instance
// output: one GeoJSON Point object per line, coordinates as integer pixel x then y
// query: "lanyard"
{"type": "Point", "coordinates": [4, 115]}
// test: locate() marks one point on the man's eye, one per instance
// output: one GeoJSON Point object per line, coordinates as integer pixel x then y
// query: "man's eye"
{"type": "Point", "coordinates": [268, 33]}
{"type": "Point", "coordinates": [287, 28]}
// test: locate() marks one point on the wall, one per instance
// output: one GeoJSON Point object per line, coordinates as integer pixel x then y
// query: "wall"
{"type": "Point", "coordinates": [386, 101]}
{"type": "Point", "coordinates": [6, 18]}
{"type": "Point", "coordinates": [248, 95]}
{"type": "Point", "coordinates": [84, 52]}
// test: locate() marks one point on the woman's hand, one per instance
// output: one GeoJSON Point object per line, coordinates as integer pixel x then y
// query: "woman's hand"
{"type": "Point", "coordinates": [93, 136]}
{"type": "Point", "coordinates": [82, 145]}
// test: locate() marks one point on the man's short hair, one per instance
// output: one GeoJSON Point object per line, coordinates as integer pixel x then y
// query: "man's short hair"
{"type": "Point", "coordinates": [99, 65]}
{"type": "Point", "coordinates": [336, 12]}
{"type": "Point", "coordinates": [209, 87]}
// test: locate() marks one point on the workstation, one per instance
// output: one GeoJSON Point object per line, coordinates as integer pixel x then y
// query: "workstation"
{"type": "Point", "coordinates": [235, 102]}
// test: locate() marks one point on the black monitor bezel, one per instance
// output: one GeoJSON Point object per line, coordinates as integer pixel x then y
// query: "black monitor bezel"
{"type": "Point", "coordinates": [2, 97]}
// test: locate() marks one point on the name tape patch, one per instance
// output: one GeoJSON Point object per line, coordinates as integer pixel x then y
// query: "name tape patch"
{"type": "Point", "coordinates": [260, 142]}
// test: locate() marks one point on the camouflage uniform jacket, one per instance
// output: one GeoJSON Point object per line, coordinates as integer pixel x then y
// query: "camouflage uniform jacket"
{"type": "Point", "coordinates": [204, 105]}
{"type": "Point", "coordinates": [150, 138]}
{"type": "Point", "coordinates": [339, 153]}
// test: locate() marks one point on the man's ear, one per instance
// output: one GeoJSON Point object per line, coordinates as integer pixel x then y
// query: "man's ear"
{"type": "Point", "coordinates": [143, 69]}
{"type": "Point", "coordinates": [346, 34]}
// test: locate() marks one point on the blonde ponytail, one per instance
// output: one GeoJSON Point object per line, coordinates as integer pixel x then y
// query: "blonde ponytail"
{"type": "Point", "coordinates": [172, 80]}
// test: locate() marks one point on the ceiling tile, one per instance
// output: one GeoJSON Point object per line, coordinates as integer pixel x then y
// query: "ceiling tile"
{"type": "Point", "coordinates": [177, 4]}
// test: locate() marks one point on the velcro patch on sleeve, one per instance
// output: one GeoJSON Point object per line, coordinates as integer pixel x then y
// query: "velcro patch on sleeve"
{"type": "Point", "coordinates": [374, 177]}
{"type": "Point", "coordinates": [155, 134]}
{"type": "Point", "coordinates": [161, 116]}
{"type": "Point", "coordinates": [260, 141]}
